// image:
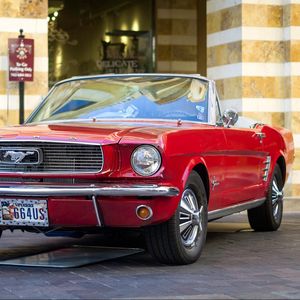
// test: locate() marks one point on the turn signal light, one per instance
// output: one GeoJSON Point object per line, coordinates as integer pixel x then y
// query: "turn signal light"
{"type": "Point", "coordinates": [144, 212]}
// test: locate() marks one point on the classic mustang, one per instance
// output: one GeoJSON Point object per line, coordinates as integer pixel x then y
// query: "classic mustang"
{"type": "Point", "coordinates": [146, 151]}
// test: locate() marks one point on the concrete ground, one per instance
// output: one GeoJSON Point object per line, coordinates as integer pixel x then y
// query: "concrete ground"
{"type": "Point", "coordinates": [236, 263]}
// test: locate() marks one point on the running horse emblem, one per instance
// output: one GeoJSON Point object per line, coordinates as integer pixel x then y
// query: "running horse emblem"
{"type": "Point", "coordinates": [17, 156]}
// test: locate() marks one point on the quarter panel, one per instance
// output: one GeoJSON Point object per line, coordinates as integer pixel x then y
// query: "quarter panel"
{"type": "Point", "coordinates": [279, 142]}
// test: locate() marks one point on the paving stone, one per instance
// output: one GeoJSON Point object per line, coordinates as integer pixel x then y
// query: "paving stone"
{"type": "Point", "coordinates": [236, 263]}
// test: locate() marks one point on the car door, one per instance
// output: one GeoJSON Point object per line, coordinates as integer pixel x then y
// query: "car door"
{"type": "Point", "coordinates": [244, 164]}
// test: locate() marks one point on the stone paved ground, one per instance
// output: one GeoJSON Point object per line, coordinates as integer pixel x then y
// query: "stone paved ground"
{"type": "Point", "coordinates": [236, 263]}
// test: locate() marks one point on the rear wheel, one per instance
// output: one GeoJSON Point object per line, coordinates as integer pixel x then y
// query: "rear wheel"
{"type": "Point", "coordinates": [267, 217]}
{"type": "Point", "coordinates": [180, 240]}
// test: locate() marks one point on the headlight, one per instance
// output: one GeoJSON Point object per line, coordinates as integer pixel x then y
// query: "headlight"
{"type": "Point", "coordinates": [145, 160]}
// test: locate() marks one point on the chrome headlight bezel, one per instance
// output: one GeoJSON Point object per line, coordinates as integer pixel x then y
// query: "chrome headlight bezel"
{"type": "Point", "coordinates": [139, 162]}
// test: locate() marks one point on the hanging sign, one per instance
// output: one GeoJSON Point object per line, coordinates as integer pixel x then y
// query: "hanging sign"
{"type": "Point", "coordinates": [21, 57]}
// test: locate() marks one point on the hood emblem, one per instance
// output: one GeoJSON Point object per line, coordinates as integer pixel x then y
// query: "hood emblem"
{"type": "Point", "coordinates": [20, 156]}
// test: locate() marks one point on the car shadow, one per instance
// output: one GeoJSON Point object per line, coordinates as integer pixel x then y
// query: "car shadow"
{"type": "Point", "coordinates": [25, 244]}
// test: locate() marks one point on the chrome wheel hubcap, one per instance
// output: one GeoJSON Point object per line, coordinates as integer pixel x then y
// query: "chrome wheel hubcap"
{"type": "Point", "coordinates": [190, 218]}
{"type": "Point", "coordinates": [277, 196]}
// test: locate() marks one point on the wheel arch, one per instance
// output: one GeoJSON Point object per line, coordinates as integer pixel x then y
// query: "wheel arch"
{"type": "Point", "coordinates": [203, 173]}
{"type": "Point", "coordinates": [282, 165]}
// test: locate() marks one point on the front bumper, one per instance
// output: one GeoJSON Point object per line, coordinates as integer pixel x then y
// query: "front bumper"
{"type": "Point", "coordinates": [91, 190]}
{"type": "Point", "coordinates": [99, 205]}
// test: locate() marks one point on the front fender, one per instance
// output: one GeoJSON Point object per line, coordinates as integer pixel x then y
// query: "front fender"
{"type": "Point", "coordinates": [193, 163]}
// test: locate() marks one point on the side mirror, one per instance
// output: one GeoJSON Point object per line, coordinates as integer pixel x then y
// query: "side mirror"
{"type": "Point", "coordinates": [229, 117]}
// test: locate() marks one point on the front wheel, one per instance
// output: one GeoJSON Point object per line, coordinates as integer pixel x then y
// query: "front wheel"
{"type": "Point", "coordinates": [267, 217]}
{"type": "Point", "coordinates": [180, 240]}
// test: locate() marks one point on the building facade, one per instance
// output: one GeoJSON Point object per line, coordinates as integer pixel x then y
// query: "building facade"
{"type": "Point", "coordinates": [250, 47]}
{"type": "Point", "coordinates": [31, 16]}
{"type": "Point", "coordinates": [253, 51]}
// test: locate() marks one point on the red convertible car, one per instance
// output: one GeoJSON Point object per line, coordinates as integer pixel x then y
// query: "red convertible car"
{"type": "Point", "coordinates": [147, 151]}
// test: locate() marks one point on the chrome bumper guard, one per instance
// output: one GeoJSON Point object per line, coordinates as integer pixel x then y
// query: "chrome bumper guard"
{"type": "Point", "coordinates": [92, 190]}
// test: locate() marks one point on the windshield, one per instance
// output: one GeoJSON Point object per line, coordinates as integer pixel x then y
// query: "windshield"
{"type": "Point", "coordinates": [132, 97]}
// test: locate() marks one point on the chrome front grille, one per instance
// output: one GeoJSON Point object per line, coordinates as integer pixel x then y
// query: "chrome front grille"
{"type": "Point", "coordinates": [47, 180]}
{"type": "Point", "coordinates": [58, 158]}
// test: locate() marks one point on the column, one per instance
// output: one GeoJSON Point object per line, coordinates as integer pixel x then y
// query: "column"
{"type": "Point", "coordinates": [254, 54]}
{"type": "Point", "coordinates": [292, 117]}
{"type": "Point", "coordinates": [31, 16]}
{"type": "Point", "coordinates": [176, 36]}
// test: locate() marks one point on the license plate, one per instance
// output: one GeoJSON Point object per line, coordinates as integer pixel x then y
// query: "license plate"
{"type": "Point", "coordinates": [23, 212]}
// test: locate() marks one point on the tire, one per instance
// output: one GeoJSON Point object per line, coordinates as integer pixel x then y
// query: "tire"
{"type": "Point", "coordinates": [180, 240]}
{"type": "Point", "coordinates": [268, 216]}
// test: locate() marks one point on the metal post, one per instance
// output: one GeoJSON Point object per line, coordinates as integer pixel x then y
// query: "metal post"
{"type": "Point", "coordinates": [21, 102]}
{"type": "Point", "coordinates": [21, 90]}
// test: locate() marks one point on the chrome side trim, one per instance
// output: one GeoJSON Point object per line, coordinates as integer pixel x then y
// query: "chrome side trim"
{"type": "Point", "coordinates": [96, 210]}
{"type": "Point", "coordinates": [219, 213]}
{"type": "Point", "coordinates": [266, 169]}
{"type": "Point", "coordinates": [91, 190]}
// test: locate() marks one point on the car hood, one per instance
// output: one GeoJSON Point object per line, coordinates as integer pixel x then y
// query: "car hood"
{"type": "Point", "coordinates": [94, 132]}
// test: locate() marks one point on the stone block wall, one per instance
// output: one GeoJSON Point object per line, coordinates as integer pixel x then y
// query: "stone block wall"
{"type": "Point", "coordinates": [254, 56]}
{"type": "Point", "coordinates": [31, 16]}
{"type": "Point", "coordinates": [176, 36]}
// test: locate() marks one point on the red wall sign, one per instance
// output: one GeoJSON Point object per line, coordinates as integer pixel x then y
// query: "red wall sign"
{"type": "Point", "coordinates": [21, 57]}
